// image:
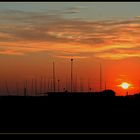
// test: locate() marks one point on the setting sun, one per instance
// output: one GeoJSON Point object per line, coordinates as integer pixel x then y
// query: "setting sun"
{"type": "Point", "coordinates": [125, 85]}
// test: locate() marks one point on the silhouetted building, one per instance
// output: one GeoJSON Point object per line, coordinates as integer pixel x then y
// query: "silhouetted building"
{"type": "Point", "coordinates": [108, 93]}
{"type": "Point", "coordinates": [66, 93]}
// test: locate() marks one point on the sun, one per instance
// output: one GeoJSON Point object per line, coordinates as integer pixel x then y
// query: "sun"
{"type": "Point", "coordinates": [125, 85]}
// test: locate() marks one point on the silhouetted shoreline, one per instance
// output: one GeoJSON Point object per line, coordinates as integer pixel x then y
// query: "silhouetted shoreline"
{"type": "Point", "coordinates": [70, 114]}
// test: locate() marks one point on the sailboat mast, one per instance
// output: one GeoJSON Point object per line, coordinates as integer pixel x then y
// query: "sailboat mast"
{"type": "Point", "coordinates": [53, 76]}
{"type": "Point", "coordinates": [71, 75]}
{"type": "Point", "coordinates": [100, 78]}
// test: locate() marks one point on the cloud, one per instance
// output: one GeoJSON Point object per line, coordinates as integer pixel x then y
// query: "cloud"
{"type": "Point", "coordinates": [73, 10]}
{"type": "Point", "coordinates": [137, 17]}
{"type": "Point", "coordinates": [24, 32]}
{"type": "Point", "coordinates": [65, 56]}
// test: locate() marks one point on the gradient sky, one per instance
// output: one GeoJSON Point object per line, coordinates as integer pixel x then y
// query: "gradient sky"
{"type": "Point", "coordinates": [34, 34]}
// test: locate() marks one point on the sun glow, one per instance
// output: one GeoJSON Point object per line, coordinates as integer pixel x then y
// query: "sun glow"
{"type": "Point", "coordinates": [125, 85]}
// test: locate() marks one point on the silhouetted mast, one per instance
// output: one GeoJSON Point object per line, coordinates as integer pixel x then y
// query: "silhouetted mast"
{"type": "Point", "coordinates": [32, 87]}
{"type": "Point", "coordinates": [100, 78]}
{"type": "Point", "coordinates": [105, 85]}
{"type": "Point", "coordinates": [44, 84]}
{"type": "Point", "coordinates": [58, 84]}
{"type": "Point", "coordinates": [71, 75]}
{"type": "Point", "coordinates": [48, 85]}
{"type": "Point", "coordinates": [17, 88]}
{"type": "Point", "coordinates": [6, 85]}
{"type": "Point", "coordinates": [25, 87]}
{"type": "Point", "coordinates": [127, 93]}
{"type": "Point", "coordinates": [0, 87]}
{"type": "Point", "coordinates": [139, 86]}
{"type": "Point", "coordinates": [65, 83]}
{"type": "Point", "coordinates": [88, 85]}
{"type": "Point", "coordinates": [41, 81]}
{"type": "Point", "coordinates": [53, 77]}
{"type": "Point", "coordinates": [81, 84]}
{"type": "Point", "coordinates": [35, 86]}
{"type": "Point", "coordinates": [76, 83]}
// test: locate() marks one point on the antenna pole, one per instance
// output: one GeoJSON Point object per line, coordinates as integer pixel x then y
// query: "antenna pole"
{"type": "Point", "coordinates": [54, 76]}
{"type": "Point", "coordinates": [48, 85]}
{"type": "Point", "coordinates": [17, 88]}
{"type": "Point", "coordinates": [71, 75]}
{"type": "Point", "coordinates": [105, 85]}
{"type": "Point", "coordinates": [88, 85]}
{"type": "Point", "coordinates": [35, 85]}
{"type": "Point", "coordinates": [76, 83]}
{"type": "Point", "coordinates": [100, 78]}
{"type": "Point", "coordinates": [6, 85]}
{"type": "Point", "coordinates": [44, 84]}
{"type": "Point", "coordinates": [81, 84]}
{"type": "Point", "coordinates": [139, 86]}
{"type": "Point", "coordinates": [25, 88]}
{"type": "Point", "coordinates": [41, 84]}
{"type": "Point", "coordinates": [58, 84]}
{"type": "Point", "coordinates": [32, 89]}
{"type": "Point", "coordinates": [127, 93]}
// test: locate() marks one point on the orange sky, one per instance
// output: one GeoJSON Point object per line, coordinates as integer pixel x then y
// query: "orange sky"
{"type": "Point", "coordinates": [18, 68]}
{"type": "Point", "coordinates": [31, 41]}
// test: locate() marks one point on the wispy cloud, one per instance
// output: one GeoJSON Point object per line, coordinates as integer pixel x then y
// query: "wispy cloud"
{"type": "Point", "coordinates": [71, 10]}
{"type": "Point", "coordinates": [28, 32]}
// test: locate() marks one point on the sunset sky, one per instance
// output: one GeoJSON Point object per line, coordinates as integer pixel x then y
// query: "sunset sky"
{"type": "Point", "coordinates": [34, 34]}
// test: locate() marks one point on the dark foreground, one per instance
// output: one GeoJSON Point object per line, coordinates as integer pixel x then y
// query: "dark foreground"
{"type": "Point", "coordinates": [69, 114]}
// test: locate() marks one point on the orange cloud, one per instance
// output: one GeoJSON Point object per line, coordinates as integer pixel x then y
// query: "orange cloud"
{"type": "Point", "coordinates": [28, 32]}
